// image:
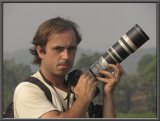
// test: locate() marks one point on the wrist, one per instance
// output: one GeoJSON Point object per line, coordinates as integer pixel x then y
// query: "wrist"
{"type": "Point", "coordinates": [84, 99]}
{"type": "Point", "coordinates": [106, 94]}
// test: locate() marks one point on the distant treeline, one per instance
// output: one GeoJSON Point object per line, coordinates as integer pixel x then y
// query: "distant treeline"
{"type": "Point", "coordinates": [130, 64]}
{"type": "Point", "coordinates": [134, 93]}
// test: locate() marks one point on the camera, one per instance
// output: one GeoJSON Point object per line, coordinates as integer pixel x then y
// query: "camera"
{"type": "Point", "coordinates": [125, 46]}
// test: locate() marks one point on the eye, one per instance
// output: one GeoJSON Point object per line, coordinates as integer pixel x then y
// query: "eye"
{"type": "Point", "coordinates": [72, 48]}
{"type": "Point", "coordinates": [58, 48]}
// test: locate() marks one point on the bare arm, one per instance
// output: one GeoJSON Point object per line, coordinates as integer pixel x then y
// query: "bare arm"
{"type": "Point", "coordinates": [84, 90]}
{"type": "Point", "coordinates": [108, 107]}
{"type": "Point", "coordinates": [78, 110]}
{"type": "Point", "coordinates": [108, 89]}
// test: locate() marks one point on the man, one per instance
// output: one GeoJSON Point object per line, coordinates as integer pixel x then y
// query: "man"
{"type": "Point", "coordinates": [55, 45]}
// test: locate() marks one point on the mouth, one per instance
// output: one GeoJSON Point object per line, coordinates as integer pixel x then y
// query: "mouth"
{"type": "Point", "coordinates": [64, 66]}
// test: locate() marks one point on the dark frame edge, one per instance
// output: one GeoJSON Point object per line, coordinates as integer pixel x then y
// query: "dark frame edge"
{"type": "Point", "coordinates": [85, 1]}
{"type": "Point", "coordinates": [80, 1]}
{"type": "Point", "coordinates": [1, 57]}
{"type": "Point", "coordinates": [158, 56]}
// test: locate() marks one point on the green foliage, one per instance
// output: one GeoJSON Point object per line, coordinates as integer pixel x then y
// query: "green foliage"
{"type": "Point", "coordinates": [12, 75]}
{"type": "Point", "coordinates": [85, 61]}
{"type": "Point", "coordinates": [136, 115]}
{"type": "Point", "coordinates": [124, 91]}
{"type": "Point", "coordinates": [135, 95]}
{"type": "Point", "coordinates": [143, 62]}
{"type": "Point", "coordinates": [149, 83]}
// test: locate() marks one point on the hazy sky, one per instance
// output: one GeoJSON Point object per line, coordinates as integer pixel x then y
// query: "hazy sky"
{"type": "Point", "coordinates": [101, 24]}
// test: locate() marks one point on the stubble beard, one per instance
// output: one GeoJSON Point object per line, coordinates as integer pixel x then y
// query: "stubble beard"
{"type": "Point", "coordinates": [61, 73]}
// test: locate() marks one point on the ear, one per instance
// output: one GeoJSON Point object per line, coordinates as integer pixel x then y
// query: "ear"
{"type": "Point", "coordinates": [39, 51]}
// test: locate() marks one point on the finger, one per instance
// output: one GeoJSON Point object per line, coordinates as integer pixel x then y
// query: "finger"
{"type": "Point", "coordinates": [83, 76]}
{"type": "Point", "coordinates": [119, 73]}
{"type": "Point", "coordinates": [103, 79]}
{"type": "Point", "coordinates": [106, 73]}
{"type": "Point", "coordinates": [115, 67]}
{"type": "Point", "coordinates": [93, 88]}
{"type": "Point", "coordinates": [93, 79]}
{"type": "Point", "coordinates": [91, 82]}
{"type": "Point", "coordinates": [109, 82]}
{"type": "Point", "coordinates": [88, 77]}
{"type": "Point", "coordinates": [94, 85]}
{"type": "Point", "coordinates": [120, 67]}
{"type": "Point", "coordinates": [118, 70]}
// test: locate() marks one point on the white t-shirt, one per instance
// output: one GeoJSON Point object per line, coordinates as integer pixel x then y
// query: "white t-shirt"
{"type": "Point", "coordinates": [31, 102]}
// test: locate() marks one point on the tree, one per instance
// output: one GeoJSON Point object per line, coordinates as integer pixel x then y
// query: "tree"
{"type": "Point", "coordinates": [124, 92]}
{"type": "Point", "coordinates": [13, 74]}
{"type": "Point", "coordinates": [143, 62]}
{"type": "Point", "coordinates": [149, 83]}
{"type": "Point", "coordinates": [86, 61]}
{"type": "Point", "coordinates": [131, 86]}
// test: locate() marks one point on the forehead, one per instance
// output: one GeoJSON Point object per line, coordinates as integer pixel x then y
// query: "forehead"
{"type": "Point", "coordinates": [64, 38]}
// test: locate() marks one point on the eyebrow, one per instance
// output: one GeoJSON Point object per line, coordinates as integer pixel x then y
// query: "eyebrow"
{"type": "Point", "coordinates": [62, 47]}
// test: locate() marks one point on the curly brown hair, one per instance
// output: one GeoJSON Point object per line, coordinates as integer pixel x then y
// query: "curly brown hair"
{"type": "Point", "coordinates": [48, 28]}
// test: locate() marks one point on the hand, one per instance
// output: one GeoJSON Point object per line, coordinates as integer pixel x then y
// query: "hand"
{"type": "Point", "coordinates": [112, 78]}
{"type": "Point", "coordinates": [85, 87]}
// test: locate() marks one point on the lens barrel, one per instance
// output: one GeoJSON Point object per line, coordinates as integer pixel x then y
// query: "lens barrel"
{"type": "Point", "coordinates": [127, 45]}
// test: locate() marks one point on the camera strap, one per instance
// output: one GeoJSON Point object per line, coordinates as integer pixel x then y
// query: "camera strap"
{"type": "Point", "coordinates": [48, 82]}
{"type": "Point", "coordinates": [68, 94]}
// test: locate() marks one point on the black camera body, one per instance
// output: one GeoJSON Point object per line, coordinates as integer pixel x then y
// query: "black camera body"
{"type": "Point", "coordinates": [74, 76]}
{"type": "Point", "coordinates": [125, 46]}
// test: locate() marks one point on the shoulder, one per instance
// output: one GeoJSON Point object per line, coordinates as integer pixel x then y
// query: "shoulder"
{"type": "Point", "coordinates": [25, 87]}
{"type": "Point", "coordinates": [30, 101]}
{"type": "Point", "coordinates": [28, 85]}
{"type": "Point", "coordinates": [28, 88]}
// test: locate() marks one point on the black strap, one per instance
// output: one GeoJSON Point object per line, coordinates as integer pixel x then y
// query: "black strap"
{"type": "Point", "coordinates": [9, 111]}
{"type": "Point", "coordinates": [48, 82]}
{"type": "Point", "coordinates": [42, 86]}
{"type": "Point", "coordinates": [95, 111]}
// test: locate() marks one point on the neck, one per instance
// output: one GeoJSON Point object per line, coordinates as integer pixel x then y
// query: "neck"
{"type": "Point", "coordinates": [57, 81]}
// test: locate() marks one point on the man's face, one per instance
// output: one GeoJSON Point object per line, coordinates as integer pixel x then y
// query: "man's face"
{"type": "Point", "coordinates": [60, 53]}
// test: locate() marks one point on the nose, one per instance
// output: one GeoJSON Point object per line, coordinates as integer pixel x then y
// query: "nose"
{"type": "Point", "coordinates": [65, 55]}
